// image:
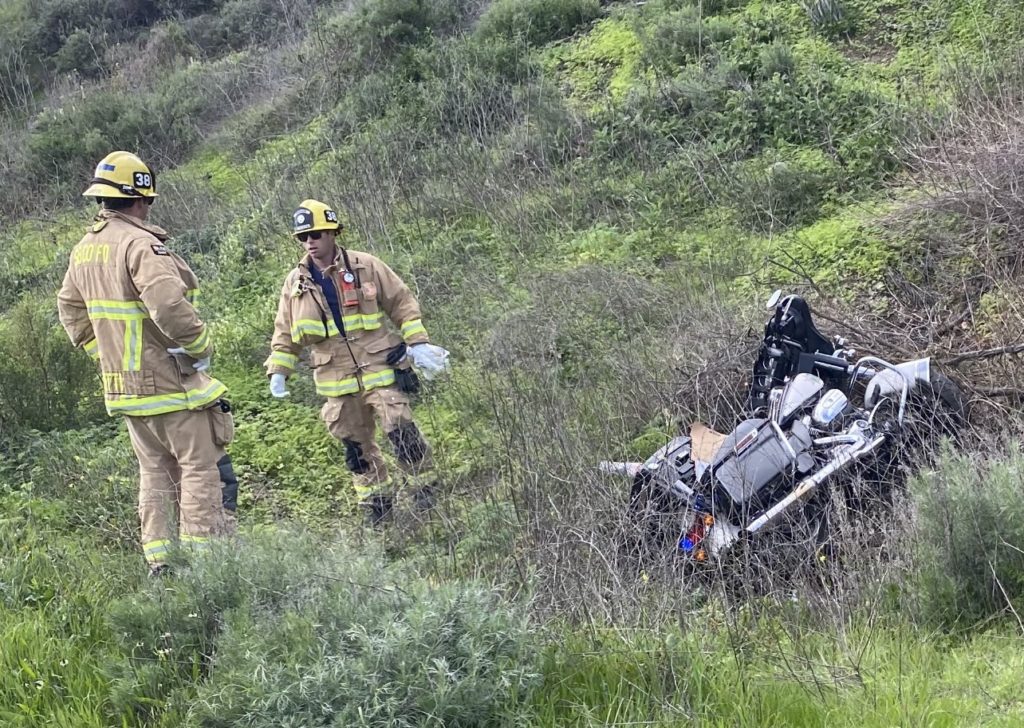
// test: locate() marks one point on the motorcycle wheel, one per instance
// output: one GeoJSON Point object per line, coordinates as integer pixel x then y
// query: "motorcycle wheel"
{"type": "Point", "coordinates": [937, 410]}
{"type": "Point", "coordinates": [648, 518]}
{"type": "Point", "coordinates": [653, 517]}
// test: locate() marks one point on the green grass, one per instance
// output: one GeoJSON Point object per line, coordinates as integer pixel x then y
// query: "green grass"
{"type": "Point", "coordinates": [888, 675]}
{"type": "Point", "coordinates": [74, 616]}
{"type": "Point", "coordinates": [56, 582]}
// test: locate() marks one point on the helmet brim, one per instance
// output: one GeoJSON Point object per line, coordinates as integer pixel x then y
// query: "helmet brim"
{"type": "Point", "coordinates": [96, 190]}
{"type": "Point", "coordinates": [328, 227]}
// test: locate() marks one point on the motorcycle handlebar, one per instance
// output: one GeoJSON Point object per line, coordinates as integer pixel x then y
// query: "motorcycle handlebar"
{"type": "Point", "coordinates": [836, 363]}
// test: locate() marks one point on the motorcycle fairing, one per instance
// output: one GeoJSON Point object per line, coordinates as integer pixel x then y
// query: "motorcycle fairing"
{"type": "Point", "coordinates": [752, 457]}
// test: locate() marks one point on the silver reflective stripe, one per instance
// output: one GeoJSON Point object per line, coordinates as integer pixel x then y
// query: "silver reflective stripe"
{"type": "Point", "coordinates": [133, 346]}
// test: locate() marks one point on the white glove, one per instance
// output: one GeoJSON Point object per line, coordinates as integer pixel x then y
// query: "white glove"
{"type": "Point", "coordinates": [430, 359]}
{"type": "Point", "coordinates": [277, 385]}
{"type": "Point", "coordinates": [200, 365]}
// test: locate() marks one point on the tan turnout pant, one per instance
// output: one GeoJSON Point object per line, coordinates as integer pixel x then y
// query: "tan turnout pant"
{"type": "Point", "coordinates": [179, 480]}
{"type": "Point", "coordinates": [351, 419]}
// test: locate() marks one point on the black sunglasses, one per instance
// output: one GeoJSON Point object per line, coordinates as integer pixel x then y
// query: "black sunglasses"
{"type": "Point", "coordinates": [303, 237]}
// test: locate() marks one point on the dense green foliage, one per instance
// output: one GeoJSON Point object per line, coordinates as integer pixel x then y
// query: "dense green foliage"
{"type": "Point", "coordinates": [970, 566]}
{"type": "Point", "coordinates": [589, 199]}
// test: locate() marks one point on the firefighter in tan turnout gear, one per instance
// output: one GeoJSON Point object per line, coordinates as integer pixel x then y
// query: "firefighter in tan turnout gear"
{"type": "Point", "coordinates": [338, 302]}
{"type": "Point", "coordinates": [128, 301]}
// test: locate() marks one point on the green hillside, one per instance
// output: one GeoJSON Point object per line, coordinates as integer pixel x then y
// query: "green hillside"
{"type": "Point", "coordinates": [591, 201]}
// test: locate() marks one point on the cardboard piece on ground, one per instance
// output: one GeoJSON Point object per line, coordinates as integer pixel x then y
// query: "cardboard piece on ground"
{"type": "Point", "coordinates": [704, 442]}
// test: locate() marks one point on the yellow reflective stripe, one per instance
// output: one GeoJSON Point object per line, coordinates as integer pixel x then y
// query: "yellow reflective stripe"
{"type": "Point", "coordinates": [136, 405]}
{"type": "Point", "coordinates": [194, 541]}
{"type": "Point", "coordinates": [116, 310]}
{"type": "Point", "coordinates": [364, 491]}
{"type": "Point", "coordinates": [378, 379]}
{"type": "Point", "coordinates": [337, 387]}
{"type": "Point", "coordinates": [307, 326]}
{"type": "Point", "coordinates": [314, 328]}
{"type": "Point", "coordinates": [372, 321]}
{"type": "Point", "coordinates": [284, 359]}
{"type": "Point", "coordinates": [362, 321]}
{"type": "Point", "coordinates": [92, 348]}
{"type": "Point", "coordinates": [201, 342]}
{"type": "Point", "coordinates": [350, 385]}
{"type": "Point", "coordinates": [153, 550]}
{"type": "Point", "coordinates": [192, 296]}
{"type": "Point", "coordinates": [412, 328]}
{"type": "Point", "coordinates": [131, 358]}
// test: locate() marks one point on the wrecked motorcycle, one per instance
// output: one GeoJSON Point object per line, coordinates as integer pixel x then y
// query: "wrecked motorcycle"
{"type": "Point", "coordinates": [817, 421]}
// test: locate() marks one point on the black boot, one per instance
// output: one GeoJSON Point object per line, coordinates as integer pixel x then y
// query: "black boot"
{"type": "Point", "coordinates": [159, 570]}
{"type": "Point", "coordinates": [376, 509]}
{"type": "Point", "coordinates": [426, 497]}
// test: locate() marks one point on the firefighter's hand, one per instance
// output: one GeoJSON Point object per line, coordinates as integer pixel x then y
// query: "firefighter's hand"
{"type": "Point", "coordinates": [200, 365]}
{"type": "Point", "coordinates": [430, 359]}
{"type": "Point", "coordinates": [277, 385]}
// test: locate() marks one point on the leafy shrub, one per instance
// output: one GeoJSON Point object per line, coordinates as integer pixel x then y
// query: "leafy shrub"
{"type": "Point", "coordinates": [46, 383]}
{"type": "Point", "coordinates": [536, 21]}
{"type": "Point", "coordinates": [707, 7]}
{"type": "Point", "coordinates": [776, 59]}
{"type": "Point", "coordinates": [698, 105]}
{"type": "Point", "coordinates": [784, 192]}
{"type": "Point", "coordinates": [682, 37]}
{"type": "Point", "coordinates": [66, 143]}
{"type": "Point", "coordinates": [385, 27]}
{"type": "Point", "coordinates": [969, 544]}
{"type": "Point", "coordinates": [81, 52]}
{"type": "Point", "coordinates": [292, 631]}
{"type": "Point", "coordinates": [238, 24]}
{"type": "Point", "coordinates": [92, 471]}
{"type": "Point", "coordinates": [187, 7]}
{"type": "Point", "coordinates": [53, 22]}
{"type": "Point", "coordinates": [168, 44]}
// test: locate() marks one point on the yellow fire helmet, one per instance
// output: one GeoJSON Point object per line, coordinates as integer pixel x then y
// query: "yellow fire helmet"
{"type": "Point", "coordinates": [122, 174]}
{"type": "Point", "coordinates": [313, 215]}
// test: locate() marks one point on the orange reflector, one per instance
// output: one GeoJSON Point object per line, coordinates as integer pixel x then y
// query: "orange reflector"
{"type": "Point", "coordinates": [709, 520]}
{"type": "Point", "coordinates": [700, 555]}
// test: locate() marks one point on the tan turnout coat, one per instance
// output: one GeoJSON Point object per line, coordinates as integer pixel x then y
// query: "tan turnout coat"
{"type": "Point", "coordinates": [353, 360]}
{"type": "Point", "coordinates": [126, 299]}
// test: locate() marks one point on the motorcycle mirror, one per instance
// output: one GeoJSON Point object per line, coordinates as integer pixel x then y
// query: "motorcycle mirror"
{"type": "Point", "coordinates": [773, 300]}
